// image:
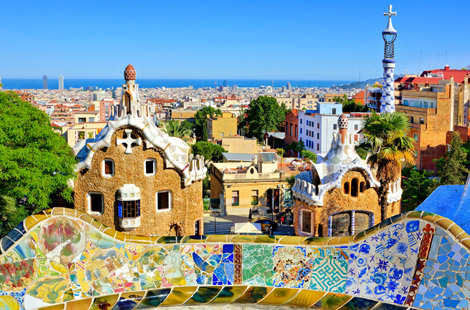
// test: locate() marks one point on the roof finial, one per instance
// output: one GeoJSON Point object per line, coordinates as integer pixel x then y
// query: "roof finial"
{"type": "Point", "coordinates": [129, 73]}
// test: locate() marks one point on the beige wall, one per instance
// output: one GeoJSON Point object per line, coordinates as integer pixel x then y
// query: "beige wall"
{"type": "Point", "coordinates": [222, 126]}
{"type": "Point", "coordinates": [187, 206]}
{"type": "Point", "coordinates": [90, 130]}
{"type": "Point", "coordinates": [240, 145]}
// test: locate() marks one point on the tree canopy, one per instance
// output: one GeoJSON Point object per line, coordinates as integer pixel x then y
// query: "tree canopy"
{"type": "Point", "coordinates": [388, 148]}
{"type": "Point", "coordinates": [309, 155]}
{"type": "Point", "coordinates": [35, 162]}
{"type": "Point", "coordinates": [176, 129]}
{"type": "Point", "coordinates": [265, 114]}
{"type": "Point", "coordinates": [451, 168]}
{"type": "Point", "coordinates": [200, 122]}
{"type": "Point", "coordinates": [210, 151]}
{"type": "Point", "coordinates": [350, 105]}
{"type": "Point", "coordinates": [417, 186]}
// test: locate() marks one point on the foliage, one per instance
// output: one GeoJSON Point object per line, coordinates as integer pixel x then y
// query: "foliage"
{"type": "Point", "coordinates": [290, 180]}
{"type": "Point", "coordinates": [200, 121]}
{"type": "Point", "coordinates": [417, 186]}
{"type": "Point", "coordinates": [11, 214]}
{"type": "Point", "coordinates": [350, 105]}
{"type": "Point", "coordinates": [35, 162]}
{"type": "Point", "coordinates": [388, 148]}
{"type": "Point", "coordinates": [451, 168]}
{"type": "Point", "coordinates": [206, 186]}
{"type": "Point", "coordinates": [296, 146]}
{"type": "Point", "coordinates": [309, 155]}
{"type": "Point", "coordinates": [241, 121]}
{"type": "Point", "coordinates": [187, 125]}
{"type": "Point", "coordinates": [265, 114]}
{"type": "Point", "coordinates": [210, 151]}
{"type": "Point", "coordinates": [280, 152]}
{"type": "Point", "coordinates": [175, 129]}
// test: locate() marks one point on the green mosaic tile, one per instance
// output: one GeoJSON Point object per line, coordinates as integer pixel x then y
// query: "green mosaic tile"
{"type": "Point", "coordinates": [257, 264]}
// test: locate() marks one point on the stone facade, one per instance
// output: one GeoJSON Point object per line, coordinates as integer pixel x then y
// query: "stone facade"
{"type": "Point", "coordinates": [135, 178]}
{"type": "Point", "coordinates": [338, 197]}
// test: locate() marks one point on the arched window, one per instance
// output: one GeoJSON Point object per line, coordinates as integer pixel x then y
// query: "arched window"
{"type": "Point", "coordinates": [354, 187]}
{"type": "Point", "coordinates": [362, 187]}
{"type": "Point", "coordinates": [346, 188]}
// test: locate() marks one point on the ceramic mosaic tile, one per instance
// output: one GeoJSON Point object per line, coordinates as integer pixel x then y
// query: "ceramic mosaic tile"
{"type": "Point", "coordinates": [62, 260]}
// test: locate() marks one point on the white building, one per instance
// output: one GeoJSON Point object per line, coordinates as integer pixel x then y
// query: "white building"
{"type": "Point", "coordinates": [317, 127]}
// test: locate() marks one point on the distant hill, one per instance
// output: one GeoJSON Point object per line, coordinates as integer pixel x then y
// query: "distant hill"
{"type": "Point", "coordinates": [363, 84]}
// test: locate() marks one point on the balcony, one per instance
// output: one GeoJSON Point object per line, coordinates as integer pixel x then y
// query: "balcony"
{"type": "Point", "coordinates": [419, 94]}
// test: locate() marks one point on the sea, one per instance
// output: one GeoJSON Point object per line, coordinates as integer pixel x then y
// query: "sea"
{"type": "Point", "coordinates": [168, 83]}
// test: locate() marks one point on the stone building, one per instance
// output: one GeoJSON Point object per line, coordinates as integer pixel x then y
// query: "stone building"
{"type": "Point", "coordinates": [135, 178]}
{"type": "Point", "coordinates": [338, 196]}
{"type": "Point", "coordinates": [219, 126]}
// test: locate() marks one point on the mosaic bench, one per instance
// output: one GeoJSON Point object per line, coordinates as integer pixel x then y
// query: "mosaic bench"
{"type": "Point", "coordinates": [63, 259]}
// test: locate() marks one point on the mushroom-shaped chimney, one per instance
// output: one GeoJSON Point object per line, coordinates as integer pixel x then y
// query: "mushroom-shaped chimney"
{"type": "Point", "coordinates": [129, 73]}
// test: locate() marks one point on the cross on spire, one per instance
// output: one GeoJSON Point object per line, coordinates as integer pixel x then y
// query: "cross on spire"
{"type": "Point", "coordinates": [390, 14]}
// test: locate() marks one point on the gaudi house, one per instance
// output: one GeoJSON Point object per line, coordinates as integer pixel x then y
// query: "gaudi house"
{"type": "Point", "coordinates": [135, 178]}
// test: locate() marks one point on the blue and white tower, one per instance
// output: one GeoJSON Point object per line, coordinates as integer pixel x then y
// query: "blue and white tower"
{"type": "Point", "coordinates": [388, 92]}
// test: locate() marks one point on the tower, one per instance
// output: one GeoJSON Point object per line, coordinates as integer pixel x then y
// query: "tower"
{"type": "Point", "coordinates": [388, 93]}
{"type": "Point", "coordinates": [61, 82]}
{"type": "Point", "coordinates": [44, 82]}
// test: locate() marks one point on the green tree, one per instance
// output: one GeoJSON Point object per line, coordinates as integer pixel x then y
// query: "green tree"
{"type": "Point", "coordinates": [297, 147]}
{"type": "Point", "coordinates": [417, 186]}
{"type": "Point", "coordinates": [241, 121]}
{"type": "Point", "coordinates": [350, 105]}
{"type": "Point", "coordinates": [388, 148]}
{"type": "Point", "coordinates": [210, 151]}
{"type": "Point", "coordinates": [451, 168]}
{"type": "Point", "coordinates": [200, 122]}
{"type": "Point", "coordinates": [290, 180]}
{"type": "Point", "coordinates": [35, 162]}
{"type": "Point", "coordinates": [265, 114]}
{"type": "Point", "coordinates": [309, 155]}
{"type": "Point", "coordinates": [175, 129]}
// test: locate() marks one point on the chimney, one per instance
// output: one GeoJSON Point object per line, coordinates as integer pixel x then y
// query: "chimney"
{"type": "Point", "coordinates": [343, 127]}
{"type": "Point", "coordinates": [447, 67]}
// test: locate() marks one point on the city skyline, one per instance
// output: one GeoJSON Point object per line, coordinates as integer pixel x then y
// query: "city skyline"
{"type": "Point", "coordinates": [211, 40]}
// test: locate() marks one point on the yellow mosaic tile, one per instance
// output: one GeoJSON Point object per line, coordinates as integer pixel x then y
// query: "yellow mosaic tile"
{"type": "Point", "coordinates": [140, 239]}
{"type": "Point", "coordinates": [179, 295]}
{"type": "Point", "coordinates": [279, 296]}
{"type": "Point", "coordinates": [427, 216]}
{"type": "Point", "coordinates": [292, 240]}
{"type": "Point", "coordinates": [466, 243]}
{"type": "Point", "coordinates": [79, 304]}
{"type": "Point", "coordinates": [70, 212]}
{"type": "Point", "coordinates": [305, 298]}
{"type": "Point", "coordinates": [413, 214]}
{"type": "Point", "coordinates": [316, 241]}
{"type": "Point", "coordinates": [267, 239]}
{"type": "Point", "coordinates": [57, 211]}
{"type": "Point", "coordinates": [229, 294]}
{"type": "Point", "coordinates": [105, 302]}
{"type": "Point", "coordinates": [30, 222]}
{"type": "Point", "coordinates": [253, 294]}
{"type": "Point", "coordinates": [55, 307]}
{"type": "Point", "coordinates": [456, 230]}
{"type": "Point", "coordinates": [339, 240]}
{"type": "Point", "coordinates": [86, 218]}
{"type": "Point", "coordinates": [204, 295]}
{"type": "Point", "coordinates": [120, 236]}
{"type": "Point", "coordinates": [40, 217]}
{"type": "Point", "coordinates": [110, 232]}
{"type": "Point", "coordinates": [359, 236]}
{"type": "Point", "coordinates": [332, 301]}
{"type": "Point", "coordinates": [96, 224]}
{"type": "Point", "coordinates": [444, 223]}
{"type": "Point", "coordinates": [463, 236]}
{"type": "Point", "coordinates": [243, 239]}
{"type": "Point", "coordinates": [189, 239]}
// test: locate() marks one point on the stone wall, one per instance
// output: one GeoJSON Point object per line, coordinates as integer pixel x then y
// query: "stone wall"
{"type": "Point", "coordinates": [186, 206]}
{"type": "Point", "coordinates": [63, 257]}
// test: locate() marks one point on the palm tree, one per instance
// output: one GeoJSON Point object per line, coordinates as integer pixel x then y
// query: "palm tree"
{"type": "Point", "coordinates": [174, 129]}
{"type": "Point", "coordinates": [388, 148]}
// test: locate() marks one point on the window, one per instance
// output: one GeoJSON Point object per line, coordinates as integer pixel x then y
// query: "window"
{"type": "Point", "coordinates": [197, 227]}
{"type": "Point", "coordinates": [108, 168]}
{"type": "Point", "coordinates": [150, 167]}
{"type": "Point", "coordinates": [95, 203]}
{"type": "Point", "coordinates": [361, 221]}
{"type": "Point", "coordinates": [355, 137]}
{"type": "Point", "coordinates": [307, 221]}
{"type": "Point", "coordinates": [318, 135]}
{"type": "Point", "coordinates": [82, 120]}
{"type": "Point", "coordinates": [356, 127]}
{"type": "Point", "coordinates": [346, 188]}
{"type": "Point", "coordinates": [290, 130]}
{"type": "Point", "coordinates": [335, 126]}
{"type": "Point", "coordinates": [300, 130]}
{"type": "Point", "coordinates": [362, 186]}
{"type": "Point", "coordinates": [341, 224]}
{"type": "Point", "coordinates": [421, 120]}
{"type": "Point", "coordinates": [334, 111]}
{"type": "Point", "coordinates": [129, 208]}
{"type": "Point", "coordinates": [221, 134]}
{"type": "Point", "coordinates": [415, 136]}
{"type": "Point", "coordinates": [254, 197]}
{"type": "Point", "coordinates": [163, 201]}
{"type": "Point", "coordinates": [91, 119]}
{"type": "Point", "coordinates": [412, 119]}
{"type": "Point", "coordinates": [354, 187]}
{"type": "Point", "coordinates": [318, 146]}
{"type": "Point", "coordinates": [318, 125]}
{"type": "Point", "coordinates": [235, 201]}
{"type": "Point", "coordinates": [300, 121]}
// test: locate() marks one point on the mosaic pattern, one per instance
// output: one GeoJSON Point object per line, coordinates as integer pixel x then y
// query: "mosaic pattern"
{"type": "Point", "coordinates": [64, 258]}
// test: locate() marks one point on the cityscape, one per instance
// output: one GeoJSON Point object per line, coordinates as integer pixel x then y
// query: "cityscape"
{"type": "Point", "coordinates": [237, 182]}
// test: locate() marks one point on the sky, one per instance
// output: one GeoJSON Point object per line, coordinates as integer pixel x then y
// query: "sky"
{"type": "Point", "coordinates": [236, 39]}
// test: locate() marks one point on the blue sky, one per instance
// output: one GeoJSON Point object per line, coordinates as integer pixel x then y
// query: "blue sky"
{"type": "Point", "coordinates": [295, 39]}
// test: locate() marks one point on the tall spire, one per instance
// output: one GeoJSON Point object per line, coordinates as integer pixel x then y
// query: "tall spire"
{"type": "Point", "coordinates": [388, 92]}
